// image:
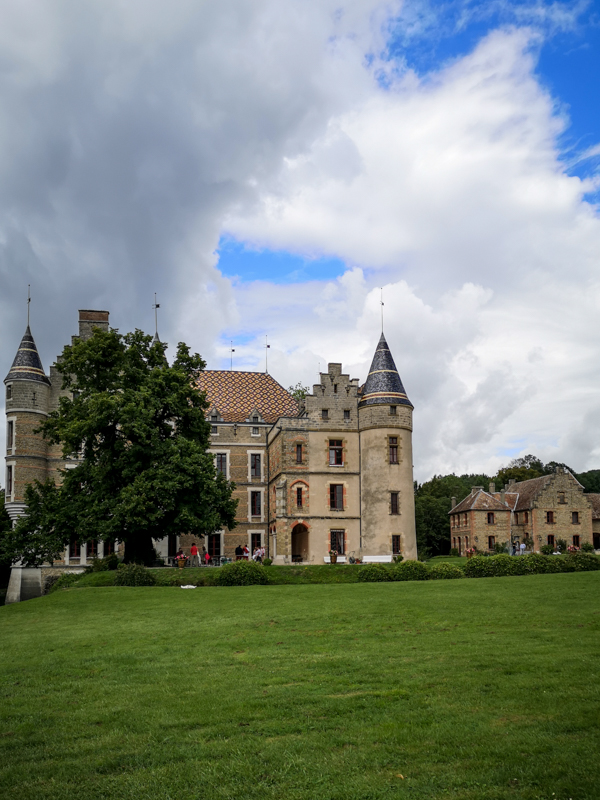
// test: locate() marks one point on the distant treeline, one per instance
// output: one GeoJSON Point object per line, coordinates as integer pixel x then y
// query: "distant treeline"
{"type": "Point", "coordinates": [433, 499]}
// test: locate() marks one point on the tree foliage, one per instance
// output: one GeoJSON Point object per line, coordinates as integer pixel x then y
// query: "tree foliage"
{"type": "Point", "coordinates": [299, 391]}
{"type": "Point", "coordinates": [135, 431]}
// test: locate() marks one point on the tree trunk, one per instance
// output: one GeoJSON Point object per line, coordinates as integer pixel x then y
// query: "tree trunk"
{"type": "Point", "coordinates": [140, 550]}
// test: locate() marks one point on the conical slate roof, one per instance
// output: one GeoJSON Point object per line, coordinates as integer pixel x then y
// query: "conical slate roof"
{"type": "Point", "coordinates": [383, 385]}
{"type": "Point", "coordinates": [27, 365]}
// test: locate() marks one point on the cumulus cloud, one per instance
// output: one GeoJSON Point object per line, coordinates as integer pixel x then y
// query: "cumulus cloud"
{"type": "Point", "coordinates": [134, 135]}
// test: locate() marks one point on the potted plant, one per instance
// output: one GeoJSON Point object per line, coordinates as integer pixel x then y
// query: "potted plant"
{"type": "Point", "coordinates": [471, 552]}
{"type": "Point", "coordinates": [181, 560]}
{"type": "Point", "coordinates": [333, 556]}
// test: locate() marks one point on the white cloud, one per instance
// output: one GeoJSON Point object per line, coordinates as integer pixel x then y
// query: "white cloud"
{"type": "Point", "coordinates": [132, 135]}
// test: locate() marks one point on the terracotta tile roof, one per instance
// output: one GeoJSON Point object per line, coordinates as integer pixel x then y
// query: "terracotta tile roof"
{"type": "Point", "coordinates": [480, 501]}
{"type": "Point", "coordinates": [595, 501]}
{"type": "Point", "coordinates": [237, 394]}
{"type": "Point", "coordinates": [527, 490]}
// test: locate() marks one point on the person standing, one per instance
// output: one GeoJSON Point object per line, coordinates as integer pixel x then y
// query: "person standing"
{"type": "Point", "coordinates": [246, 551]}
{"type": "Point", "coordinates": [522, 548]}
{"type": "Point", "coordinates": [206, 557]}
{"type": "Point", "coordinates": [238, 552]}
{"type": "Point", "coordinates": [194, 556]}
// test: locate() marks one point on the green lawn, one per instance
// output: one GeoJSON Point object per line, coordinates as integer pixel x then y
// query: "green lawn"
{"type": "Point", "coordinates": [467, 689]}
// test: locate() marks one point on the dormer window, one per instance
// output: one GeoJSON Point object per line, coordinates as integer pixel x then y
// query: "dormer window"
{"type": "Point", "coordinates": [255, 418]}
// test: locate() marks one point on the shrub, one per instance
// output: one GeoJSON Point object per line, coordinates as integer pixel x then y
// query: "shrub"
{"type": "Point", "coordinates": [581, 562]}
{"type": "Point", "coordinates": [410, 571]}
{"type": "Point", "coordinates": [267, 562]}
{"type": "Point", "coordinates": [454, 552]}
{"type": "Point", "coordinates": [587, 547]}
{"type": "Point", "coordinates": [561, 544]}
{"type": "Point", "coordinates": [479, 567]}
{"type": "Point", "coordinates": [104, 564]}
{"type": "Point", "coordinates": [134, 575]}
{"type": "Point", "coordinates": [397, 559]}
{"type": "Point", "coordinates": [547, 549]}
{"type": "Point", "coordinates": [241, 573]}
{"type": "Point", "coordinates": [374, 573]}
{"type": "Point", "coordinates": [500, 547]}
{"type": "Point", "coordinates": [55, 582]}
{"type": "Point", "coordinates": [445, 572]}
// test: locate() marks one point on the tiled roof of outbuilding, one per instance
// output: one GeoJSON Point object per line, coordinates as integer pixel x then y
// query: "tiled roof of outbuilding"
{"type": "Point", "coordinates": [27, 365]}
{"type": "Point", "coordinates": [383, 384]}
{"type": "Point", "coordinates": [237, 394]}
{"type": "Point", "coordinates": [480, 500]}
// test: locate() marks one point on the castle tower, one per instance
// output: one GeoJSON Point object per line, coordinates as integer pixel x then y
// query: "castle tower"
{"type": "Point", "coordinates": [27, 401]}
{"type": "Point", "coordinates": [385, 431]}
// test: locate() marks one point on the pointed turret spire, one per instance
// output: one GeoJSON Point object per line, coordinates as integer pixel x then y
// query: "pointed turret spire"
{"type": "Point", "coordinates": [383, 385]}
{"type": "Point", "coordinates": [27, 365]}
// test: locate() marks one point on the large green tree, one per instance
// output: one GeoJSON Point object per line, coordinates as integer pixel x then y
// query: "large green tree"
{"type": "Point", "coordinates": [135, 431]}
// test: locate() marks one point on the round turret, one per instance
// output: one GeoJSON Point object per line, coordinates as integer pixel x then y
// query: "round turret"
{"type": "Point", "coordinates": [27, 397]}
{"type": "Point", "coordinates": [385, 429]}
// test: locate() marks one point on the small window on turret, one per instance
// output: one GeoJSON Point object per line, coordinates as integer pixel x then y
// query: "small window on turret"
{"type": "Point", "coordinates": [10, 435]}
{"type": "Point", "coordinates": [9, 392]}
{"type": "Point", "coordinates": [393, 410]}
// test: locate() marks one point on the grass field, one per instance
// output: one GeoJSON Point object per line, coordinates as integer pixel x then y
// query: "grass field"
{"type": "Point", "coordinates": [448, 689]}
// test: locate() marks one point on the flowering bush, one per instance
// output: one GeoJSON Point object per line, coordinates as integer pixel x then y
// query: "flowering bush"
{"type": "Point", "coordinates": [572, 549]}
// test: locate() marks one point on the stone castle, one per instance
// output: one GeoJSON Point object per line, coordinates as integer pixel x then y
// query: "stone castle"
{"type": "Point", "coordinates": [333, 473]}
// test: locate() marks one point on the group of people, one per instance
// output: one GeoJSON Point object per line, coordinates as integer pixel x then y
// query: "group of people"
{"type": "Point", "coordinates": [197, 558]}
{"type": "Point", "coordinates": [242, 552]}
{"type": "Point", "coordinates": [518, 549]}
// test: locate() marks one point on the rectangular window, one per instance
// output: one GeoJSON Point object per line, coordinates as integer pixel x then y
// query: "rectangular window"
{"type": "Point", "coordinates": [394, 503]}
{"type": "Point", "coordinates": [561, 498]}
{"type": "Point", "coordinates": [255, 542]}
{"type": "Point", "coordinates": [109, 547]}
{"type": "Point", "coordinates": [549, 517]}
{"type": "Point", "coordinates": [213, 430]}
{"type": "Point", "coordinates": [9, 481]}
{"type": "Point", "coordinates": [336, 497]}
{"type": "Point", "coordinates": [10, 434]}
{"type": "Point", "coordinates": [526, 515]}
{"type": "Point", "coordinates": [324, 413]}
{"type": "Point", "coordinates": [92, 548]}
{"type": "Point", "coordinates": [551, 539]}
{"type": "Point", "coordinates": [393, 410]}
{"type": "Point", "coordinates": [9, 392]}
{"type": "Point", "coordinates": [575, 517]}
{"type": "Point", "coordinates": [490, 517]}
{"type": "Point", "coordinates": [255, 432]}
{"type": "Point", "coordinates": [74, 549]}
{"type": "Point", "coordinates": [491, 542]}
{"type": "Point", "coordinates": [299, 497]}
{"type": "Point", "coordinates": [346, 414]}
{"type": "Point", "coordinates": [396, 548]}
{"type": "Point", "coordinates": [255, 465]}
{"type": "Point", "coordinates": [255, 504]}
{"type": "Point", "coordinates": [336, 453]}
{"type": "Point", "coordinates": [337, 541]}
{"type": "Point", "coordinates": [298, 454]}
{"type": "Point", "coordinates": [576, 540]}
{"type": "Point", "coordinates": [214, 545]}
{"type": "Point", "coordinates": [466, 522]}
{"type": "Point", "coordinates": [335, 388]}
{"type": "Point", "coordinates": [393, 445]}
{"type": "Point", "coordinates": [222, 464]}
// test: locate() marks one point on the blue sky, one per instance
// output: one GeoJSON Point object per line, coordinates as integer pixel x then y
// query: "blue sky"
{"type": "Point", "coordinates": [426, 38]}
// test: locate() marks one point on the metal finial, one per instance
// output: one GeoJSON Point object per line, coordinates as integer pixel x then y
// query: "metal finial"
{"type": "Point", "coordinates": [231, 352]}
{"type": "Point", "coordinates": [267, 346]}
{"type": "Point", "coordinates": [382, 304]}
{"type": "Point", "coordinates": [156, 306]}
{"type": "Point", "coordinates": [28, 301]}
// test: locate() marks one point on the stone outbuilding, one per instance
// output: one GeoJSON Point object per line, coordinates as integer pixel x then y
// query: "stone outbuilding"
{"type": "Point", "coordinates": [539, 511]}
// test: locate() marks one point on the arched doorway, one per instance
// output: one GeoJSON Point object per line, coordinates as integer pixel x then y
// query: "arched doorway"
{"type": "Point", "coordinates": [299, 543]}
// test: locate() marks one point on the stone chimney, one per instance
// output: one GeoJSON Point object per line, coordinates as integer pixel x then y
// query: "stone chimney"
{"type": "Point", "coordinates": [453, 501]}
{"type": "Point", "coordinates": [492, 487]}
{"type": "Point", "coordinates": [511, 481]}
{"type": "Point", "coordinates": [502, 497]}
{"type": "Point", "coordinates": [88, 320]}
{"type": "Point", "coordinates": [475, 489]}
